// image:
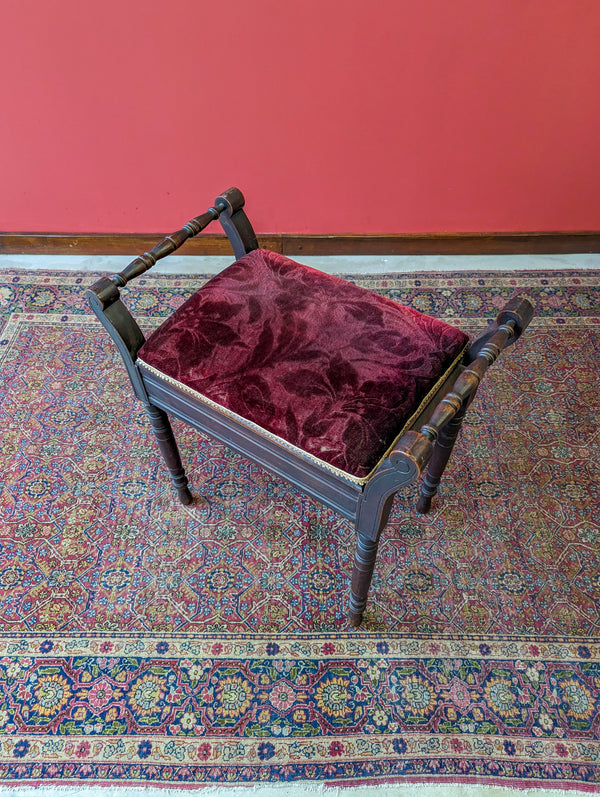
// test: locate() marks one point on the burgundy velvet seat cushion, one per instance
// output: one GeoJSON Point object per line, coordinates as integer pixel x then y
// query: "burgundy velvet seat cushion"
{"type": "Point", "coordinates": [329, 367]}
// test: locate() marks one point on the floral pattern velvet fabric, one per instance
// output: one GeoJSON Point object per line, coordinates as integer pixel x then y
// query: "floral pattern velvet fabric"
{"type": "Point", "coordinates": [328, 366]}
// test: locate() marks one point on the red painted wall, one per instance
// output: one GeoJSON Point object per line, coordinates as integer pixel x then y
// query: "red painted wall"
{"type": "Point", "coordinates": [331, 115]}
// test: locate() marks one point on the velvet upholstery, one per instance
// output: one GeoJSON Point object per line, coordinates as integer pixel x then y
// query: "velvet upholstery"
{"type": "Point", "coordinates": [329, 367]}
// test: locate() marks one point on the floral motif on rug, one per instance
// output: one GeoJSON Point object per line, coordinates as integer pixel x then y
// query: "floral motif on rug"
{"type": "Point", "coordinates": [142, 641]}
{"type": "Point", "coordinates": [239, 709]}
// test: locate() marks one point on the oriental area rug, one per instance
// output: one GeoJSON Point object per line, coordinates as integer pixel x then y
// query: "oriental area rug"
{"type": "Point", "coordinates": [147, 643]}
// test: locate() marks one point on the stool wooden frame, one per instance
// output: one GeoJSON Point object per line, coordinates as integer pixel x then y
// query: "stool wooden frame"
{"type": "Point", "coordinates": [425, 446]}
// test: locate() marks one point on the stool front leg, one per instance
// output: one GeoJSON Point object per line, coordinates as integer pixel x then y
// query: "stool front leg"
{"type": "Point", "coordinates": [401, 468]}
{"type": "Point", "coordinates": [364, 563]}
{"type": "Point", "coordinates": [365, 554]}
{"type": "Point", "coordinates": [170, 452]}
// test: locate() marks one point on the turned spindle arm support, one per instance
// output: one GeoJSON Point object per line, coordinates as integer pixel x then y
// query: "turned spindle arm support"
{"type": "Point", "coordinates": [104, 297]}
{"type": "Point", "coordinates": [510, 323]}
{"type": "Point", "coordinates": [228, 208]}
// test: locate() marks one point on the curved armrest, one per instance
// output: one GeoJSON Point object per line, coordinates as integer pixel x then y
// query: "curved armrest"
{"type": "Point", "coordinates": [511, 321]}
{"type": "Point", "coordinates": [104, 297]}
{"type": "Point", "coordinates": [228, 205]}
{"type": "Point", "coordinates": [106, 289]}
{"type": "Point", "coordinates": [105, 300]}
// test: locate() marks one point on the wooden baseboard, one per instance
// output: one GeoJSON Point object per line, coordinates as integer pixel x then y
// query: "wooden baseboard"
{"type": "Point", "coordinates": [444, 244]}
{"type": "Point", "coordinates": [532, 243]}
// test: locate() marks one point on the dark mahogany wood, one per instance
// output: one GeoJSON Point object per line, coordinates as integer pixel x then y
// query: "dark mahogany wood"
{"type": "Point", "coordinates": [165, 438]}
{"type": "Point", "coordinates": [367, 503]}
{"type": "Point", "coordinates": [439, 459]}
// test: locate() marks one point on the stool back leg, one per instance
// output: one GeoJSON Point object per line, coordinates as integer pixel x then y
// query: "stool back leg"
{"type": "Point", "coordinates": [163, 432]}
{"type": "Point", "coordinates": [439, 459]}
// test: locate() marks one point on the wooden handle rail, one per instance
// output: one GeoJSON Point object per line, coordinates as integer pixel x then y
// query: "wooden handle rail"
{"type": "Point", "coordinates": [167, 246]}
{"type": "Point", "coordinates": [231, 200]}
{"type": "Point", "coordinates": [228, 202]}
{"type": "Point", "coordinates": [512, 320]}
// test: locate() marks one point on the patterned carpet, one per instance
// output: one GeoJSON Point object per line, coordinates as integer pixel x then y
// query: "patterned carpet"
{"type": "Point", "coordinates": [142, 641]}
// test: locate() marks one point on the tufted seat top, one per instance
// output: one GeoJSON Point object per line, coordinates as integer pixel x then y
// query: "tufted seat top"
{"type": "Point", "coordinates": [319, 363]}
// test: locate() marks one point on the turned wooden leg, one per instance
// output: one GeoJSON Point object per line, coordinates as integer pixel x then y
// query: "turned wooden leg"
{"type": "Point", "coordinates": [168, 448]}
{"type": "Point", "coordinates": [367, 542]}
{"type": "Point", "coordinates": [362, 573]}
{"type": "Point", "coordinates": [439, 460]}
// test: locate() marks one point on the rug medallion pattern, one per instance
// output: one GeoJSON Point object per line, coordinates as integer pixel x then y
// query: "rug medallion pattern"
{"type": "Point", "coordinates": [142, 641]}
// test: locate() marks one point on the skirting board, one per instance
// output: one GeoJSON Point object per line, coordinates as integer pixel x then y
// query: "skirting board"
{"type": "Point", "coordinates": [503, 243]}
